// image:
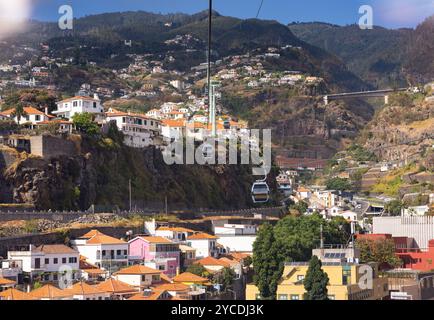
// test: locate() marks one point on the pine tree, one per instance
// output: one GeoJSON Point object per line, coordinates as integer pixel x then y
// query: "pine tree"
{"type": "Point", "coordinates": [316, 281]}
{"type": "Point", "coordinates": [267, 262]}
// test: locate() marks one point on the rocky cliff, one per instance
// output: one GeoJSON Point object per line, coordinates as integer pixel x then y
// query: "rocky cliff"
{"type": "Point", "coordinates": [100, 175]}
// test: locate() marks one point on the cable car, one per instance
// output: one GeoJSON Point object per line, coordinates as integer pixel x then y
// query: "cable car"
{"type": "Point", "coordinates": [260, 192]}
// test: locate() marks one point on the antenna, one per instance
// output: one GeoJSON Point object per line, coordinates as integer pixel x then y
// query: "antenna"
{"type": "Point", "coordinates": [321, 237]}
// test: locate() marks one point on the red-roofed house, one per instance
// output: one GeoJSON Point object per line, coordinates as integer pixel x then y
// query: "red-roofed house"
{"type": "Point", "coordinates": [32, 116]}
{"type": "Point", "coordinates": [156, 252]}
{"type": "Point", "coordinates": [205, 244]}
{"type": "Point", "coordinates": [69, 107]}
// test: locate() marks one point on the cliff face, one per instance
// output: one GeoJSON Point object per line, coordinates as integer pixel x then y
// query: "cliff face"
{"type": "Point", "coordinates": [100, 175]}
{"type": "Point", "coordinates": [402, 132]}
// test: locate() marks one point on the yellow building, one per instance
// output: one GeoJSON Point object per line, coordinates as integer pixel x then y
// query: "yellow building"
{"type": "Point", "coordinates": [344, 279]}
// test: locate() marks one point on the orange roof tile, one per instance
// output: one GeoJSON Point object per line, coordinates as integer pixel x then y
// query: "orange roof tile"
{"type": "Point", "coordinates": [55, 249]}
{"type": "Point", "coordinates": [90, 234]}
{"type": "Point", "coordinates": [137, 269]}
{"type": "Point", "coordinates": [177, 229]}
{"type": "Point", "coordinates": [210, 261]}
{"type": "Point", "coordinates": [82, 289]}
{"type": "Point", "coordinates": [4, 281]}
{"type": "Point", "coordinates": [50, 292]}
{"type": "Point", "coordinates": [115, 286]}
{"type": "Point", "coordinates": [79, 98]}
{"type": "Point", "coordinates": [104, 239]}
{"type": "Point", "coordinates": [173, 123]}
{"type": "Point", "coordinates": [14, 294]}
{"type": "Point", "coordinates": [189, 277]}
{"type": "Point", "coordinates": [153, 296]}
{"type": "Point", "coordinates": [28, 110]}
{"type": "Point", "coordinates": [156, 239]}
{"type": "Point", "coordinates": [177, 287]}
{"type": "Point", "coordinates": [200, 236]}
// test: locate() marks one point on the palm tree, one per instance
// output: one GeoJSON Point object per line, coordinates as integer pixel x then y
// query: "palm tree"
{"type": "Point", "coordinates": [19, 111]}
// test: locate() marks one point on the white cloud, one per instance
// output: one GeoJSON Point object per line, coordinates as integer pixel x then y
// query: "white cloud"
{"type": "Point", "coordinates": [13, 16]}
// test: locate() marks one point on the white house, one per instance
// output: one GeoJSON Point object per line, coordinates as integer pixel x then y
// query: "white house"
{"type": "Point", "coordinates": [139, 131]}
{"type": "Point", "coordinates": [205, 244]}
{"type": "Point", "coordinates": [154, 114]}
{"type": "Point", "coordinates": [176, 234]}
{"type": "Point", "coordinates": [106, 252]}
{"type": "Point", "coordinates": [31, 115]}
{"type": "Point", "coordinates": [83, 291]}
{"type": "Point", "coordinates": [236, 237]}
{"type": "Point", "coordinates": [415, 211]}
{"type": "Point", "coordinates": [172, 130]}
{"type": "Point", "coordinates": [79, 104]}
{"type": "Point", "coordinates": [49, 260]}
{"type": "Point", "coordinates": [138, 276]}
{"type": "Point", "coordinates": [169, 107]}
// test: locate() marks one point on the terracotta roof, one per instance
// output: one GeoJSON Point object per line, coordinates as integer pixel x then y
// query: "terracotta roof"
{"type": "Point", "coordinates": [177, 229]}
{"type": "Point", "coordinates": [156, 239]}
{"type": "Point", "coordinates": [14, 294]}
{"type": "Point", "coordinates": [79, 98]}
{"type": "Point", "coordinates": [137, 269]}
{"type": "Point", "coordinates": [115, 286]}
{"type": "Point", "coordinates": [94, 271]}
{"type": "Point", "coordinates": [49, 292]}
{"type": "Point", "coordinates": [90, 234]}
{"type": "Point", "coordinates": [303, 189]}
{"type": "Point", "coordinates": [55, 249]}
{"type": "Point", "coordinates": [201, 235]}
{"type": "Point", "coordinates": [239, 255]}
{"type": "Point", "coordinates": [153, 296]}
{"type": "Point", "coordinates": [210, 261]}
{"type": "Point", "coordinates": [83, 289]}
{"type": "Point", "coordinates": [28, 110]}
{"type": "Point", "coordinates": [172, 287]}
{"type": "Point", "coordinates": [104, 239]}
{"type": "Point", "coordinates": [55, 121]}
{"type": "Point", "coordinates": [4, 281]}
{"type": "Point", "coordinates": [173, 123]}
{"type": "Point", "coordinates": [189, 277]}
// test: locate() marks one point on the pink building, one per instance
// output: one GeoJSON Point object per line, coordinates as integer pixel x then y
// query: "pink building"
{"type": "Point", "coordinates": [155, 252]}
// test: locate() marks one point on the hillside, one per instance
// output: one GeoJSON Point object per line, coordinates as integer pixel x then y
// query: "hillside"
{"type": "Point", "coordinates": [100, 172]}
{"type": "Point", "coordinates": [376, 56]}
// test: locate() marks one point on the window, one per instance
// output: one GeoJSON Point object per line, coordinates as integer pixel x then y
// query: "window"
{"type": "Point", "coordinates": [295, 297]}
{"type": "Point", "coordinates": [75, 104]}
{"type": "Point", "coordinates": [72, 260]}
{"type": "Point", "coordinates": [63, 260]}
{"type": "Point", "coordinates": [282, 297]}
{"type": "Point", "coordinates": [37, 117]}
{"type": "Point", "coordinates": [346, 275]}
{"type": "Point", "coordinates": [103, 252]}
{"type": "Point", "coordinates": [47, 261]}
{"type": "Point", "coordinates": [37, 263]}
{"type": "Point", "coordinates": [123, 120]}
{"type": "Point", "coordinates": [300, 277]}
{"type": "Point", "coordinates": [161, 268]}
{"type": "Point", "coordinates": [94, 105]}
{"type": "Point", "coordinates": [46, 277]}
{"type": "Point", "coordinates": [55, 260]}
{"type": "Point", "coordinates": [55, 277]}
{"type": "Point", "coordinates": [143, 278]}
{"type": "Point", "coordinates": [125, 252]}
{"type": "Point", "coordinates": [155, 277]}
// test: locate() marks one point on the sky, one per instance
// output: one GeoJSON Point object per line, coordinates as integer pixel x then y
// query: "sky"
{"type": "Point", "coordinates": [387, 13]}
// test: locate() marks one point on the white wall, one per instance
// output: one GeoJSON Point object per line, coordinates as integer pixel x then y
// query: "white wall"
{"type": "Point", "coordinates": [238, 243]}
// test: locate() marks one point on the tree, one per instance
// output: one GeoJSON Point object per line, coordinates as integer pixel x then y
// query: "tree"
{"type": "Point", "coordinates": [339, 184]}
{"type": "Point", "coordinates": [84, 123]}
{"type": "Point", "coordinates": [198, 270]}
{"type": "Point", "coordinates": [267, 262]}
{"type": "Point", "coordinates": [247, 261]}
{"type": "Point", "coordinates": [226, 278]}
{"type": "Point", "coordinates": [19, 111]}
{"type": "Point", "coordinates": [316, 281]}
{"type": "Point", "coordinates": [297, 236]}
{"type": "Point", "coordinates": [394, 207]}
{"type": "Point", "coordinates": [381, 251]}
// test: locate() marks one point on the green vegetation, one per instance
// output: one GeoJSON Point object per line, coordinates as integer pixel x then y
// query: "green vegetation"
{"type": "Point", "coordinates": [226, 278]}
{"type": "Point", "coordinates": [198, 270]}
{"type": "Point", "coordinates": [84, 123]}
{"type": "Point", "coordinates": [393, 207]}
{"type": "Point", "coordinates": [339, 184]}
{"type": "Point", "coordinates": [379, 251]}
{"type": "Point", "coordinates": [292, 239]}
{"type": "Point", "coordinates": [360, 154]}
{"type": "Point", "coordinates": [316, 280]}
{"type": "Point", "coordinates": [267, 262]}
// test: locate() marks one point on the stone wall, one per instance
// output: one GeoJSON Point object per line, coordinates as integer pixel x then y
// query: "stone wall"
{"type": "Point", "coordinates": [47, 146]}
